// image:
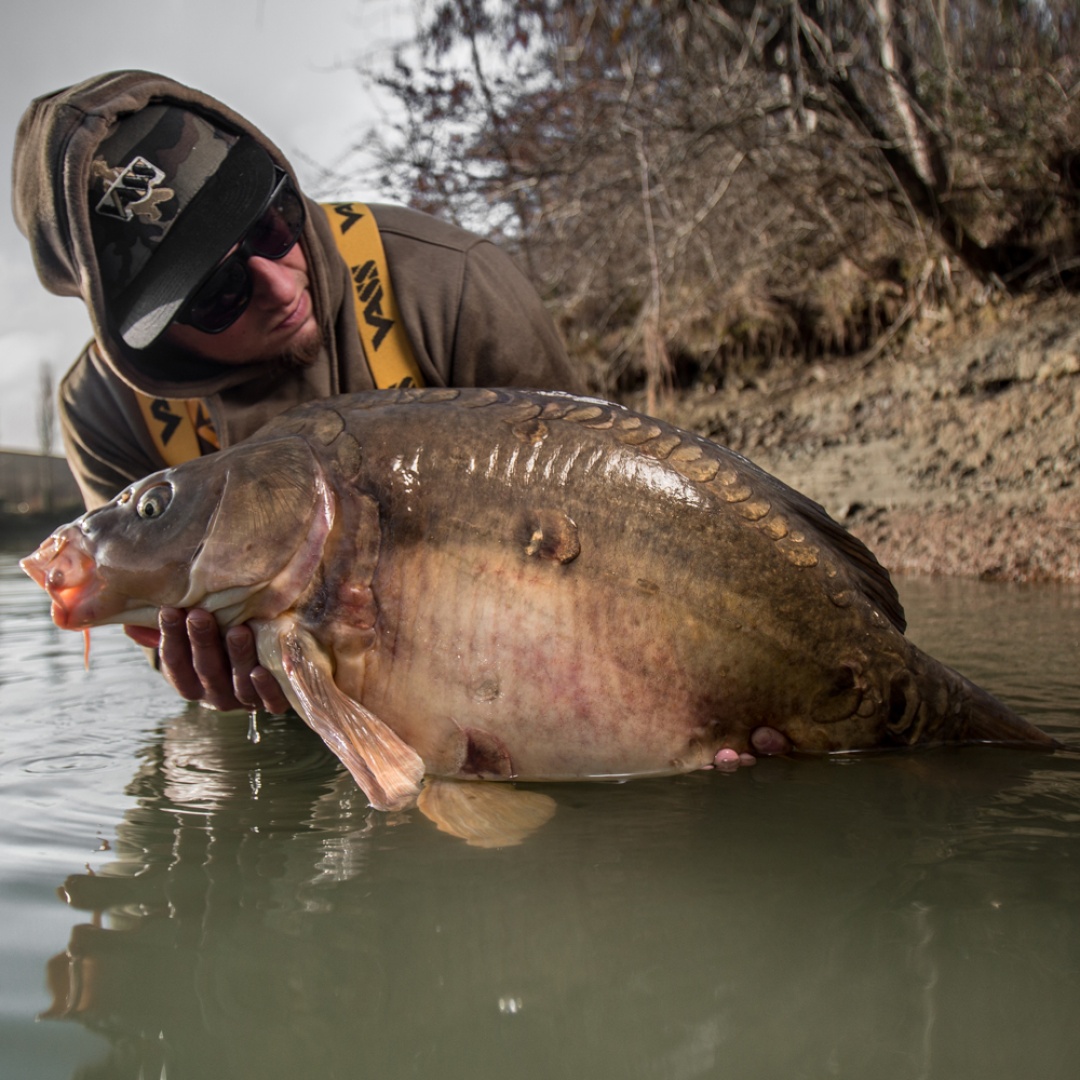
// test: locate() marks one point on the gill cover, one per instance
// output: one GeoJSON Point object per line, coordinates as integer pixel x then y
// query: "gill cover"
{"type": "Point", "coordinates": [270, 518]}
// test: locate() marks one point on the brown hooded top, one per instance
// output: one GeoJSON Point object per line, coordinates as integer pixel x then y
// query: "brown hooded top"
{"type": "Point", "coordinates": [471, 316]}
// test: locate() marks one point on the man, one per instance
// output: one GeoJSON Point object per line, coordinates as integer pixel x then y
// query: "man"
{"type": "Point", "coordinates": [218, 297]}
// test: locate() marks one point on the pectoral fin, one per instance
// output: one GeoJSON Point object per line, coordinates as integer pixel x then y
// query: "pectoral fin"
{"type": "Point", "coordinates": [389, 771]}
{"type": "Point", "coordinates": [484, 814]}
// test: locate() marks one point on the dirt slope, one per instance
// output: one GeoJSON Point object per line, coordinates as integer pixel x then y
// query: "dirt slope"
{"type": "Point", "coordinates": [956, 453]}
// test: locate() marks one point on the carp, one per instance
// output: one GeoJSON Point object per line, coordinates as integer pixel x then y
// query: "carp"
{"type": "Point", "coordinates": [498, 585]}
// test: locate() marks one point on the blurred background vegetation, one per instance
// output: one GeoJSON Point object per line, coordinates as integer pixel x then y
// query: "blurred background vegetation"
{"type": "Point", "coordinates": [704, 189]}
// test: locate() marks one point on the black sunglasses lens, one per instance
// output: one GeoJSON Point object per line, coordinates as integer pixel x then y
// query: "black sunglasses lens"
{"type": "Point", "coordinates": [274, 234]}
{"type": "Point", "coordinates": [220, 302]}
{"type": "Point", "coordinates": [225, 294]}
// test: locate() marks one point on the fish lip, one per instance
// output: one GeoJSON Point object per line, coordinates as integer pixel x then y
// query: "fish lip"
{"type": "Point", "coordinates": [35, 565]}
{"type": "Point", "coordinates": [29, 567]}
{"type": "Point", "coordinates": [68, 573]}
{"type": "Point", "coordinates": [75, 607]}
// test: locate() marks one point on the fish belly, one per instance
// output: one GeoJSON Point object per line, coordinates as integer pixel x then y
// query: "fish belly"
{"type": "Point", "coordinates": [491, 664]}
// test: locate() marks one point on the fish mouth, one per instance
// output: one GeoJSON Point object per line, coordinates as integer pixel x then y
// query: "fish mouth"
{"type": "Point", "coordinates": [68, 573]}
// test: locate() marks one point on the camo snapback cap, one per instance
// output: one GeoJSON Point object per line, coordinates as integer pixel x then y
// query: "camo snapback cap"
{"type": "Point", "coordinates": [170, 194]}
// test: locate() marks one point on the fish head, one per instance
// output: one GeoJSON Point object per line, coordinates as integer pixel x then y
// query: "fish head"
{"type": "Point", "coordinates": [238, 532]}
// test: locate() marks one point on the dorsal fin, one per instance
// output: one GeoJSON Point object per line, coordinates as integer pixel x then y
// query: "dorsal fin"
{"type": "Point", "coordinates": [873, 579]}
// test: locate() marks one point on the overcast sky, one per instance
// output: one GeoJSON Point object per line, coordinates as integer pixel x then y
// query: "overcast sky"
{"type": "Point", "coordinates": [287, 65]}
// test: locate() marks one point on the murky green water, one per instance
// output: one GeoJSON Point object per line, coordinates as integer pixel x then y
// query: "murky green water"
{"type": "Point", "coordinates": [229, 907]}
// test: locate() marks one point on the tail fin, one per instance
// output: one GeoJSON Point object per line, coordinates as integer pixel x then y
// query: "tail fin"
{"type": "Point", "coordinates": [934, 704]}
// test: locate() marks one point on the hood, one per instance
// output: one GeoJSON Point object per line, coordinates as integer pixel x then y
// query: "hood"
{"type": "Point", "coordinates": [55, 146]}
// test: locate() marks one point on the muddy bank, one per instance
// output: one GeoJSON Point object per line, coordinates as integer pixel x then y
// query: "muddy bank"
{"type": "Point", "coordinates": [957, 452]}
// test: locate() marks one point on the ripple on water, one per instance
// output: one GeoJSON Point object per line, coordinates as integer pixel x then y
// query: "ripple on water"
{"type": "Point", "coordinates": [55, 763]}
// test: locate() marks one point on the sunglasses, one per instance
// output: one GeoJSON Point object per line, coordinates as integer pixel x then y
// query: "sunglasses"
{"type": "Point", "coordinates": [226, 292]}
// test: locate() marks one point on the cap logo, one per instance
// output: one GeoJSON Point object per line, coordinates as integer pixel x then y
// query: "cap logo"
{"type": "Point", "coordinates": [132, 190]}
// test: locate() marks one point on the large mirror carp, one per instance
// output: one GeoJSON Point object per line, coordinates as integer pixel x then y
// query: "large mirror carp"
{"type": "Point", "coordinates": [507, 585]}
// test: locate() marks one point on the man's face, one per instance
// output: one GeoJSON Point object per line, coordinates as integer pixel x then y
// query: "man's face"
{"type": "Point", "coordinates": [279, 320]}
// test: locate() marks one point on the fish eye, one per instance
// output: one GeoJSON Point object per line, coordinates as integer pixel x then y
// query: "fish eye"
{"type": "Point", "coordinates": [153, 503]}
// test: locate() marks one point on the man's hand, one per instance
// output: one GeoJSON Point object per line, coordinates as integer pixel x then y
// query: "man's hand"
{"type": "Point", "coordinates": [202, 666]}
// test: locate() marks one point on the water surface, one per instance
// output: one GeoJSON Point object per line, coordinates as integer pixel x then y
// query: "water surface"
{"type": "Point", "coordinates": [183, 897]}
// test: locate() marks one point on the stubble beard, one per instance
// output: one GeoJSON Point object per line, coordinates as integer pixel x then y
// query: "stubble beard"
{"type": "Point", "coordinates": [305, 352]}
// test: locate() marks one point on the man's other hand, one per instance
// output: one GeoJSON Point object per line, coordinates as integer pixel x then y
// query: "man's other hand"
{"type": "Point", "coordinates": [222, 673]}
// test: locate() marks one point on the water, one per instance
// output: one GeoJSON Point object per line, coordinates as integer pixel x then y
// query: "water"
{"type": "Point", "coordinates": [228, 906]}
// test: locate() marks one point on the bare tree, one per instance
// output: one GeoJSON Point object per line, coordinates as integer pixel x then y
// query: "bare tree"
{"type": "Point", "coordinates": [46, 426]}
{"type": "Point", "coordinates": [697, 184]}
{"type": "Point", "coordinates": [46, 410]}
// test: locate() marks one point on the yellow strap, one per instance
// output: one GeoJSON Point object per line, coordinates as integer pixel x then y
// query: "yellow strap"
{"type": "Point", "coordinates": [181, 429]}
{"type": "Point", "coordinates": [386, 345]}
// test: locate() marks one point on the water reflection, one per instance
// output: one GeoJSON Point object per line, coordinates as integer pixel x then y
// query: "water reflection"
{"type": "Point", "coordinates": [1020, 641]}
{"type": "Point", "coordinates": [197, 922]}
{"type": "Point", "coordinates": [892, 917]}
{"type": "Point", "coordinates": [888, 916]}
